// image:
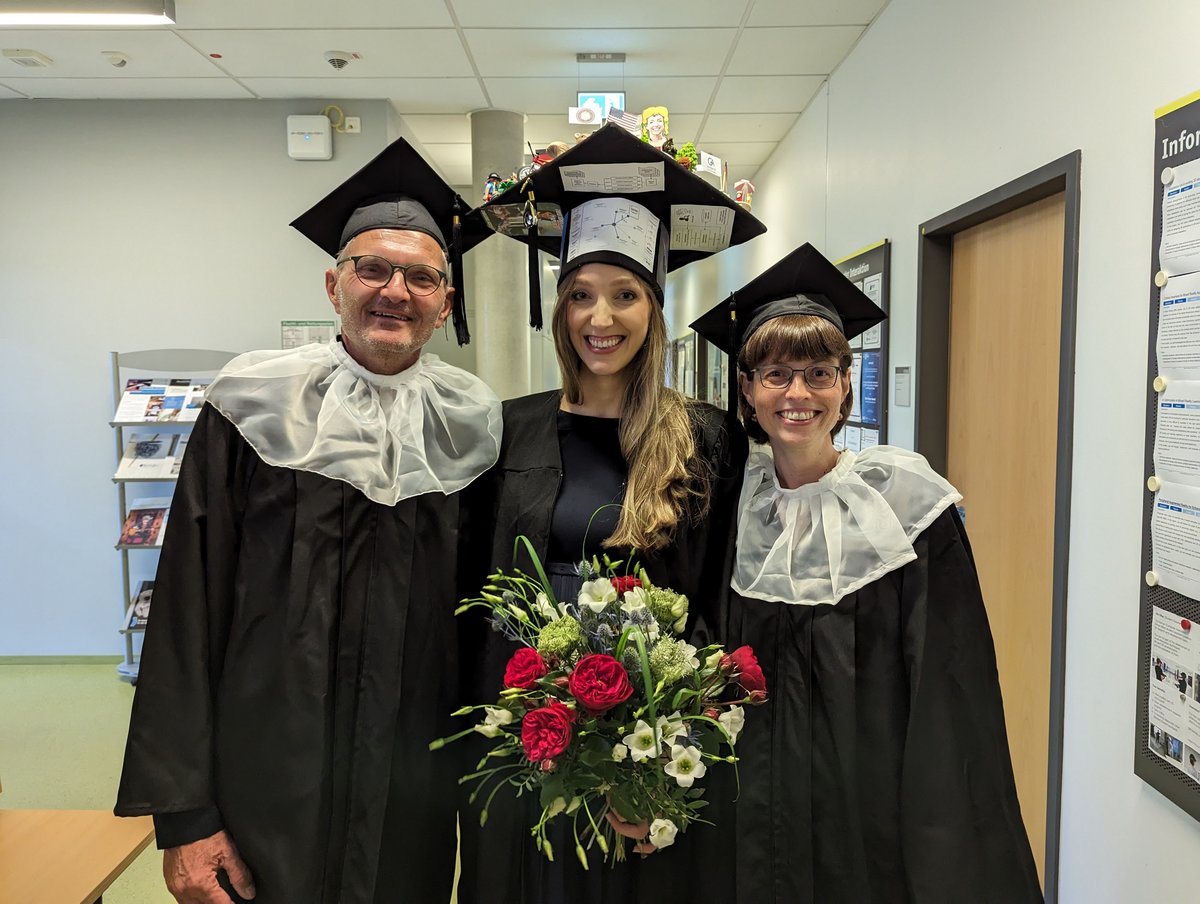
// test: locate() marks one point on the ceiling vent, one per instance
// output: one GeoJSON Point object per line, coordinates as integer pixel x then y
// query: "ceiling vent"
{"type": "Point", "coordinates": [30, 59]}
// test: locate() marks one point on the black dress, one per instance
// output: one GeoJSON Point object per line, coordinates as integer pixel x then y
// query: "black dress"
{"type": "Point", "coordinates": [500, 864]}
{"type": "Point", "coordinates": [879, 771]}
{"type": "Point", "coordinates": [301, 657]}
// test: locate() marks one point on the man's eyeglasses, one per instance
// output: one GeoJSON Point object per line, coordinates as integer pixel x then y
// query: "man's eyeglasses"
{"type": "Point", "coordinates": [780, 376]}
{"type": "Point", "coordinates": [377, 272]}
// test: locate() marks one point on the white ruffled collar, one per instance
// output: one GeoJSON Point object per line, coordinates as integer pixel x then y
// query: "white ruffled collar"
{"type": "Point", "coordinates": [430, 428]}
{"type": "Point", "coordinates": [815, 544]}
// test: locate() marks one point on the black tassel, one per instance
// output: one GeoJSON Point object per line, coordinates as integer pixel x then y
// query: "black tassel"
{"type": "Point", "coordinates": [462, 331]}
{"type": "Point", "coordinates": [535, 265]}
{"type": "Point", "coordinates": [733, 388]}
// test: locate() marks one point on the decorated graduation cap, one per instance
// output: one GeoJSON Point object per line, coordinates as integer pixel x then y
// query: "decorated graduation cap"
{"type": "Point", "coordinates": [396, 190]}
{"type": "Point", "coordinates": [804, 282]}
{"type": "Point", "coordinates": [614, 199]}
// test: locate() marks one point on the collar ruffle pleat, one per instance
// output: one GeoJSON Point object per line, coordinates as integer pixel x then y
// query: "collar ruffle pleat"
{"type": "Point", "coordinates": [815, 544]}
{"type": "Point", "coordinates": [432, 428]}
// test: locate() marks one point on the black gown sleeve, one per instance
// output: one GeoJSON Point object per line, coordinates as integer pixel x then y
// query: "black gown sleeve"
{"type": "Point", "coordinates": [963, 836]}
{"type": "Point", "coordinates": [168, 766]}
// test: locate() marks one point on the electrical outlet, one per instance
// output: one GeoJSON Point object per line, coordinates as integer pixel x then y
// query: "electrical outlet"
{"type": "Point", "coordinates": [353, 124]}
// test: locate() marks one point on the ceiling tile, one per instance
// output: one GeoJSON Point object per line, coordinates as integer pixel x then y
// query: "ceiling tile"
{"type": "Point", "coordinates": [134, 88]}
{"type": "Point", "coordinates": [649, 51]}
{"type": "Point", "coordinates": [408, 95]}
{"type": "Point", "coordinates": [76, 54]}
{"type": "Point", "coordinates": [679, 95]}
{"type": "Point", "coordinates": [753, 153]}
{"type": "Point", "coordinates": [440, 128]}
{"type": "Point", "coordinates": [814, 12]}
{"type": "Point", "coordinates": [386, 53]}
{"type": "Point", "coordinates": [309, 14]}
{"type": "Point", "coordinates": [6, 93]}
{"type": "Point", "coordinates": [748, 126]}
{"type": "Point", "coordinates": [489, 14]}
{"type": "Point", "coordinates": [792, 51]}
{"type": "Point", "coordinates": [766, 94]}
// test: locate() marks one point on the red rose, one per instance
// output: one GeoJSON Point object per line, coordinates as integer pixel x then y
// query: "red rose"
{"type": "Point", "coordinates": [744, 667]}
{"type": "Point", "coordinates": [625, 583]}
{"type": "Point", "coordinates": [524, 669]}
{"type": "Point", "coordinates": [546, 732]}
{"type": "Point", "coordinates": [599, 682]}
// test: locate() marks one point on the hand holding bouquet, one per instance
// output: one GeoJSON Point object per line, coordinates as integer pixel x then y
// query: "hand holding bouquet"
{"type": "Point", "coordinates": [606, 707]}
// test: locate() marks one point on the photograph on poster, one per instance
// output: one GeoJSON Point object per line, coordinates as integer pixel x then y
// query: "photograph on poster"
{"type": "Point", "coordinates": [1174, 712]}
{"type": "Point", "coordinates": [1179, 328]}
{"type": "Point", "coordinates": [1179, 251]}
{"type": "Point", "coordinates": [1175, 539]}
{"type": "Point", "coordinates": [856, 388]}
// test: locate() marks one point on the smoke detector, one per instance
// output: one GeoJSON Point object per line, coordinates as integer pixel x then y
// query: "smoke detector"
{"type": "Point", "coordinates": [30, 59]}
{"type": "Point", "coordinates": [340, 59]}
{"type": "Point", "coordinates": [115, 58]}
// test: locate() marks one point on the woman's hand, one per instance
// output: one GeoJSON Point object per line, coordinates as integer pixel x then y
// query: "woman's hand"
{"type": "Point", "coordinates": [635, 830]}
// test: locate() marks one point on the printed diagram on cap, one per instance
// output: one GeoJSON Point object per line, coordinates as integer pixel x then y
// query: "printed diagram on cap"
{"type": "Point", "coordinates": [614, 224]}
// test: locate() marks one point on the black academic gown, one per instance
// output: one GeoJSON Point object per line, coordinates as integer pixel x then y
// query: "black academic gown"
{"type": "Point", "coordinates": [879, 771]}
{"type": "Point", "coordinates": [500, 864]}
{"type": "Point", "coordinates": [301, 656]}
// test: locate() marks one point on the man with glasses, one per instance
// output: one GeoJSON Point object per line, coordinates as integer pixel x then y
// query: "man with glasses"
{"type": "Point", "coordinates": [304, 646]}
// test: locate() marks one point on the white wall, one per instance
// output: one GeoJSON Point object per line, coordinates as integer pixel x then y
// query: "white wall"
{"type": "Point", "coordinates": [127, 225]}
{"type": "Point", "coordinates": [941, 101]}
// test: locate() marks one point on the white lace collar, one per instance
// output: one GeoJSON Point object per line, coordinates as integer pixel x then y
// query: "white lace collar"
{"type": "Point", "coordinates": [430, 428]}
{"type": "Point", "coordinates": [817, 543]}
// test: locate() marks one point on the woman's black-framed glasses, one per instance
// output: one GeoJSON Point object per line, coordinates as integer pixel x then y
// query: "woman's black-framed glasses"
{"type": "Point", "coordinates": [816, 376]}
{"type": "Point", "coordinates": [377, 272]}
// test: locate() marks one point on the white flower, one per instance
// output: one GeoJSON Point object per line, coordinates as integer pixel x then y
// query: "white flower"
{"type": "Point", "coordinates": [597, 594]}
{"type": "Point", "coordinates": [635, 601]}
{"type": "Point", "coordinates": [685, 766]}
{"type": "Point", "coordinates": [734, 721]}
{"type": "Point", "coordinates": [662, 833]}
{"type": "Point", "coordinates": [679, 624]}
{"type": "Point", "coordinates": [487, 730]}
{"type": "Point", "coordinates": [714, 660]}
{"type": "Point", "coordinates": [556, 806]}
{"type": "Point", "coordinates": [620, 751]}
{"type": "Point", "coordinates": [642, 743]}
{"type": "Point", "coordinates": [497, 715]}
{"type": "Point", "coordinates": [689, 655]}
{"type": "Point", "coordinates": [543, 608]}
{"type": "Point", "coordinates": [670, 727]}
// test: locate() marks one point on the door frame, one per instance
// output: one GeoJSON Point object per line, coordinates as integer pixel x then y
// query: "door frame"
{"type": "Point", "coordinates": [931, 404]}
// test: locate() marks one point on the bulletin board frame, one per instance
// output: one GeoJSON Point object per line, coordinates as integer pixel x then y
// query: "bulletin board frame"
{"type": "Point", "coordinates": [1173, 123]}
{"type": "Point", "coordinates": [871, 270]}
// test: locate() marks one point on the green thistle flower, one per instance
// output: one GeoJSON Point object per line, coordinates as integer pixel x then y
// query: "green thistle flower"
{"type": "Point", "coordinates": [560, 638]}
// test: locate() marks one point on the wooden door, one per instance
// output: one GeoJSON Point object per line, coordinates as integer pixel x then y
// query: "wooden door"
{"type": "Point", "coordinates": [1005, 319]}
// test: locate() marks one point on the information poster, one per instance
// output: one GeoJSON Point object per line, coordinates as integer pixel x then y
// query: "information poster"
{"type": "Point", "coordinates": [1168, 728]}
{"type": "Point", "coordinates": [870, 271]}
{"type": "Point", "coordinates": [294, 333]}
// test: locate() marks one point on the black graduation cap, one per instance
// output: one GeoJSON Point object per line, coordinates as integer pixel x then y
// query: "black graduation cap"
{"type": "Point", "coordinates": [804, 282]}
{"type": "Point", "coordinates": [396, 190]}
{"type": "Point", "coordinates": [613, 199]}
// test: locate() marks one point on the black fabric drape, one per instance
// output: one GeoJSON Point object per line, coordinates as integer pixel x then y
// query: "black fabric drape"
{"type": "Point", "coordinates": [302, 656]}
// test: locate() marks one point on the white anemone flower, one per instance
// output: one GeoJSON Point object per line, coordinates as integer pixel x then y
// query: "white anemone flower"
{"type": "Point", "coordinates": [635, 601]}
{"type": "Point", "coordinates": [671, 727]}
{"type": "Point", "coordinates": [689, 655]}
{"type": "Point", "coordinates": [662, 833]}
{"type": "Point", "coordinates": [543, 608]}
{"type": "Point", "coordinates": [597, 594]}
{"type": "Point", "coordinates": [620, 751]}
{"type": "Point", "coordinates": [734, 721]}
{"type": "Point", "coordinates": [643, 743]}
{"type": "Point", "coordinates": [685, 766]}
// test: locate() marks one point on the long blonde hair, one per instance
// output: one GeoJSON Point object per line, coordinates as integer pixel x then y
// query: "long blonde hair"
{"type": "Point", "coordinates": [667, 481]}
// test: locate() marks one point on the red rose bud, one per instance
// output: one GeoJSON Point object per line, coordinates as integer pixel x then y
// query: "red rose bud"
{"type": "Point", "coordinates": [758, 696]}
{"type": "Point", "coordinates": [546, 732]}
{"type": "Point", "coordinates": [524, 669]}
{"type": "Point", "coordinates": [548, 765]}
{"type": "Point", "coordinates": [749, 673]}
{"type": "Point", "coordinates": [625, 583]}
{"type": "Point", "coordinates": [712, 713]}
{"type": "Point", "coordinates": [561, 681]}
{"type": "Point", "coordinates": [599, 683]}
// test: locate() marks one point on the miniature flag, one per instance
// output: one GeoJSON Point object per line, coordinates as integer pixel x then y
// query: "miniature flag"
{"type": "Point", "coordinates": [630, 122]}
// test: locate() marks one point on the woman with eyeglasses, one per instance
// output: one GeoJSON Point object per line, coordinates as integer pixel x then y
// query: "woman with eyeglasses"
{"type": "Point", "coordinates": [879, 770]}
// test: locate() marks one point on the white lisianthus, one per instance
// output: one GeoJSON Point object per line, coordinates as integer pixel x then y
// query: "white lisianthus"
{"type": "Point", "coordinates": [543, 608]}
{"type": "Point", "coordinates": [620, 751]}
{"type": "Point", "coordinates": [597, 594]}
{"type": "Point", "coordinates": [642, 744]}
{"type": "Point", "coordinates": [685, 766]}
{"type": "Point", "coordinates": [497, 715]}
{"type": "Point", "coordinates": [635, 601]}
{"type": "Point", "coordinates": [714, 660]}
{"type": "Point", "coordinates": [556, 806]}
{"type": "Point", "coordinates": [670, 727]}
{"type": "Point", "coordinates": [662, 833]}
{"type": "Point", "coordinates": [488, 731]}
{"type": "Point", "coordinates": [734, 721]}
{"type": "Point", "coordinates": [679, 624]}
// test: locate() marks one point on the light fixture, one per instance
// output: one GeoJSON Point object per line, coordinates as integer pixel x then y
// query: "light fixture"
{"type": "Point", "coordinates": [599, 58]}
{"type": "Point", "coordinates": [82, 12]}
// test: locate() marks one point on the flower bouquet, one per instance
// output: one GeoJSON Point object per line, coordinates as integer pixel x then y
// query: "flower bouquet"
{"type": "Point", "coordinates": [605, 708]}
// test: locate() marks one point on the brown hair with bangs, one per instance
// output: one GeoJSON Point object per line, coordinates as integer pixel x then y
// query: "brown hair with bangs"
{"type": "Point", "coordinates": [793, 337]}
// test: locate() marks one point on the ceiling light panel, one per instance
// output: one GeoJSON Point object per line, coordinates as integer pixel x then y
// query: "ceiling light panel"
{"type": "Point", "coordinates": [80, 12]}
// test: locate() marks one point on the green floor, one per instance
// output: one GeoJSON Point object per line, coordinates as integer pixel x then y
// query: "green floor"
{"type": "Point", "coordinates": [62, 735]}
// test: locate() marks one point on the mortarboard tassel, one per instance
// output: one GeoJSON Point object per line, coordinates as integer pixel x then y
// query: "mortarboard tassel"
{"type": "Point", "coordinates": [535, 265]}
{"type": "Point", "coordinates": [733, 388]}
{"type": "Point", "coordinates": [462, 330]}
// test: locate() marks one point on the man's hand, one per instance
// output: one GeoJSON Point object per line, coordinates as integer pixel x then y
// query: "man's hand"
{"type": "Point", "coordinates": [635, 830]}
{"type": "Point", "coordinates": [191, 871]}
